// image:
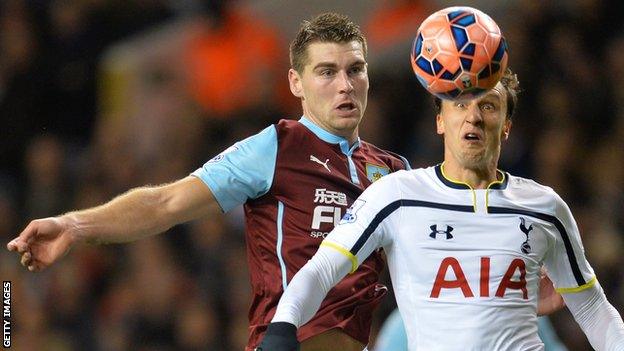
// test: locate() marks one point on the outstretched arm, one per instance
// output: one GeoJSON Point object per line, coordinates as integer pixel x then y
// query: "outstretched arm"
{"type": "Point", "coordinates": [599, 320]}
{"type": "Point", "coordinates": [136, 214]}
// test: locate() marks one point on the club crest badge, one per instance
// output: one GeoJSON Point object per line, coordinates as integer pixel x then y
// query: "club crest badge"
{"type": "Point", "coordinates": [525, 247]}
{"type": "Point", "coordinates": [374, 172]}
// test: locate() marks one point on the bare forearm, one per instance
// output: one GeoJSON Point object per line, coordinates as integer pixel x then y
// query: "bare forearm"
{"type": "Point", "coordinates": [142, 212]}
{"type": "Point", "coordinates": [138, 213]}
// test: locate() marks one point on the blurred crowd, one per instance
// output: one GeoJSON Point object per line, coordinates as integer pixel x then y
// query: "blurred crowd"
{"type": "Point", "coordinates": [99, 96]}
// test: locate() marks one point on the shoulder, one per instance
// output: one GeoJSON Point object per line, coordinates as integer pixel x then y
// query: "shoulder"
{"type": "Point", "coordinates": [264, 140]}
{"type": "Point", "coordinates": [283, 131]}
{"type": "Point", "coordinates": [530, 185]}
{"type": "Point", "coordinates": [292, 133]}
{"type": "Point", "coordinates": [397, 161]}
{"type": "Point", "coordinates": [268, 132]}
{"type": "Point", "coordinates": [391, 189]}
{"type": "Point", "coordinates": [407, 179]}
{"type": "Point", "coordinates": [535, 194]}
{"type": "Point", "coordinates": [289, 125]}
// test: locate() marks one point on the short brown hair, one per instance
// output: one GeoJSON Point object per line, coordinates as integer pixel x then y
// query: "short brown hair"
{"type": "Point", "coordinates": [327, 27]}
{"type": "Point", "coordinates": [512, 87]}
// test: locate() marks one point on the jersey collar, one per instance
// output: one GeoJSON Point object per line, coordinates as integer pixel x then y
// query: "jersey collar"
{"type": "Point", "coordinates": [455, 184]}
{"type": "Point", "coordinates": [329, 137]}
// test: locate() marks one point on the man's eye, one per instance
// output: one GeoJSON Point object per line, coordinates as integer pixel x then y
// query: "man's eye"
{"type": "Point", "coordinates": [327, 72]}
{"type": "Point", "coordinates": [460, 105]}
{"type": "Point", "coordinates": [488, 107]}
{"type": "Point", "coordinates": [356, 69]}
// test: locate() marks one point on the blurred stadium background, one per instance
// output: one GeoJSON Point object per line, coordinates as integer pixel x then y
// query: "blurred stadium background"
{"type": "Point", "coordinates": [98, 96]}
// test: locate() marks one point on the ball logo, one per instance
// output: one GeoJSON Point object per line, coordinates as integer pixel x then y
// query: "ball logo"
{"type": "Point", "coordinates": [466, 81]}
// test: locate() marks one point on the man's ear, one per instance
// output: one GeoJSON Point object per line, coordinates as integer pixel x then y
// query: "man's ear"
{"type": "Point", "coordinates": [506, 129]}
{"type": "Point", "coordinates": [295, 83]}
{"type": "Point", "coordinates": [439, 125]}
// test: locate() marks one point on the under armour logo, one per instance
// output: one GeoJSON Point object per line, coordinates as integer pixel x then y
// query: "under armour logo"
{"type": "Point", "coordinates": [435, 232]}
{"type": "Point", "coordinates": [324, 164]}
{"type": "Point", "coordinates": [526, 248]}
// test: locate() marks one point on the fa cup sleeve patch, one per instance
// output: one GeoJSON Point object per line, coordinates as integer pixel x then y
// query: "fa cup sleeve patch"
{"type": "Point", "coordinates": [351, 214]}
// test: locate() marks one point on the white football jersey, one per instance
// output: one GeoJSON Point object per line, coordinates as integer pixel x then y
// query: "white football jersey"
{"type": "Point", "coordinates": [465, 264]}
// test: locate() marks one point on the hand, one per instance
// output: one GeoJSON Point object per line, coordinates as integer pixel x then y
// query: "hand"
{"type": "Point", "coordinates": [549, 300]}
{"type": "Point", "coordinates": [42, 242]}
{"type": "Point", "coordinates": [280, 336]}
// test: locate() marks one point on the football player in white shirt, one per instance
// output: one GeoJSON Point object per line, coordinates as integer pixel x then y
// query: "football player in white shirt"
{"type": "Point", "coordinates": [465, 243]}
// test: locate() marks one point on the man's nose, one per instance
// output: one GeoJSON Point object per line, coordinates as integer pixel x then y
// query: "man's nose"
{"type": "Point", "coordinates": [344, 82]}
{"type": "Point", "coordinates": [474, 114]}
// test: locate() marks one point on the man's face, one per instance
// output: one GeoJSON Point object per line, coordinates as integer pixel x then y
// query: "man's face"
{"type": "Point", "coordinates": [333, 86]}
{"type": "Point", "coordinates": [473, 129]}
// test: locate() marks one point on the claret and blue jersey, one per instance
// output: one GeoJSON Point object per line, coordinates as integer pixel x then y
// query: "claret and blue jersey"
{"type": "Point", "coordinates": [296, 182]}
{"type": "Point", "coordinates": [466, 262]}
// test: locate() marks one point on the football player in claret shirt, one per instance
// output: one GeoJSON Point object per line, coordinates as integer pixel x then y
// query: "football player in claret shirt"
{"type": "Point", "coordinates": [465, 243]}
{"type": "Point", "coordinates": [296, 179]}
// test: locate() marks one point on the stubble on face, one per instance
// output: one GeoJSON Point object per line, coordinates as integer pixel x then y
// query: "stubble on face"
{"type": "Point", "coordinates": [334, 87]}
{"type": "Point", "coordinates": [490, 126]}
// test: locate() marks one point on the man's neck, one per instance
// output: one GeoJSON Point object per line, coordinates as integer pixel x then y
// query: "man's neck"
{"type": "Point", "coordinates": [351, 136]}
{"type": "Point", "coordinates": [476, 178]}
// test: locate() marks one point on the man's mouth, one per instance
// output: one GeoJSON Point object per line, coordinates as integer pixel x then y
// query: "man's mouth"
{"type": "Point", "coordinates": [472, 137]}
{"type": "Point", "coordinates": [346, 106]}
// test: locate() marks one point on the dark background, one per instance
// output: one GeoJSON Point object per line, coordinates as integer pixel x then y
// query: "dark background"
{"type": "Point", "coordinates": [99, 96]}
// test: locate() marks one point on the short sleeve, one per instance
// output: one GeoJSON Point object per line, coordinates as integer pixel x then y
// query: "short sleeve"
{"type": "Point", "coordinates": [243, 171]}
{"type": "Point", "coordinates": [566, 263]}
{"type": "Point", "coordinates": [365, 226]}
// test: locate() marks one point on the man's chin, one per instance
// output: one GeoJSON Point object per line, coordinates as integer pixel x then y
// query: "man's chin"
{"type": "Point", "coordinates": [347, 123]}
{"type": "Point", "coordinates": [474, 160]}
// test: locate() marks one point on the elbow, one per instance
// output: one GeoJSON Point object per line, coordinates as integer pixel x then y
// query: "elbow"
{"type": "Point", "coordinates": [185, 200]}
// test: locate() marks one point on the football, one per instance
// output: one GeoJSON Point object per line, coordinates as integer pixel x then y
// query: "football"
{"type": "Point", "coordinates": [459, 53]}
